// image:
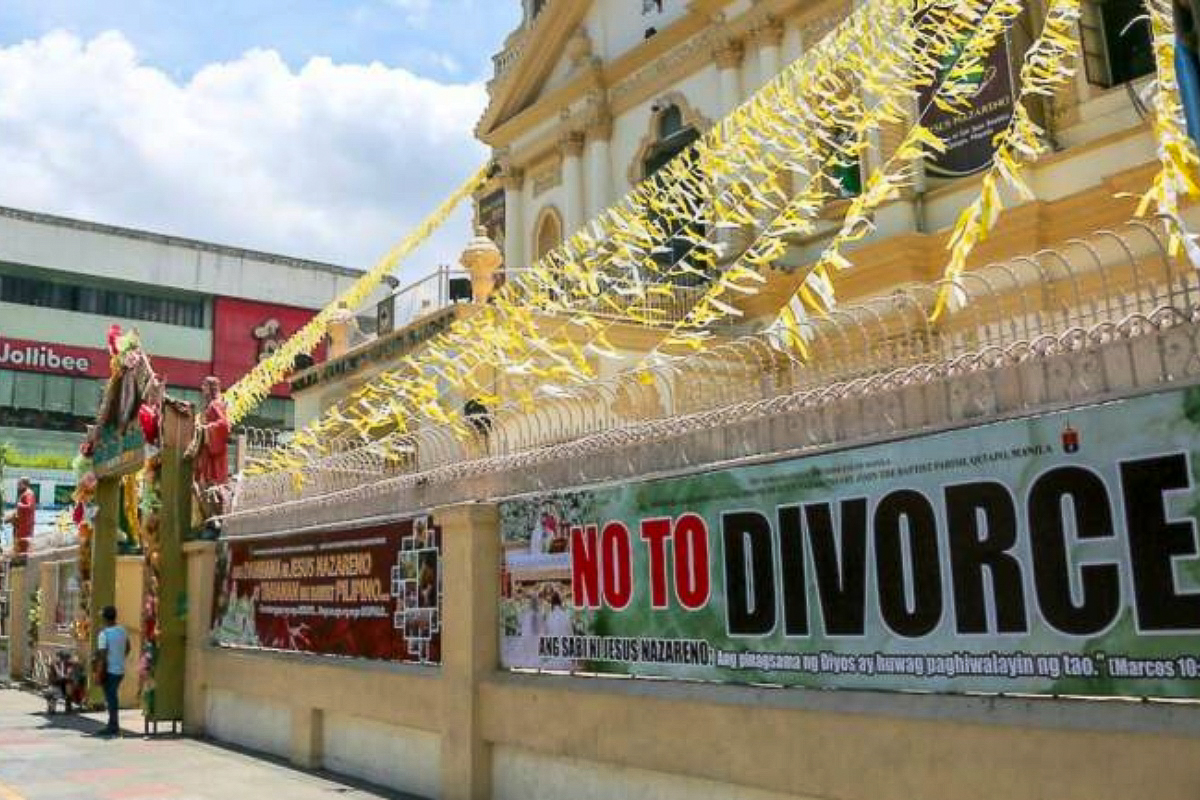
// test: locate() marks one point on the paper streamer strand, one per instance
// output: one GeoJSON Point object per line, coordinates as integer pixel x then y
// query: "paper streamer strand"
{"type": "Point", "coordinates": [1048, 65]}
{"type": "Point", "coordinates": [245, 395]}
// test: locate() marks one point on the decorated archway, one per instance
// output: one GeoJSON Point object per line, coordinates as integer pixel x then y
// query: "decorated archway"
{"type": "Point", "coordinates": [133, 496]}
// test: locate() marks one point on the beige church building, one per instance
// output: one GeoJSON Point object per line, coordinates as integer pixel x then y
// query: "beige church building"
{"type": "Point", "coordinates": [589, 98]}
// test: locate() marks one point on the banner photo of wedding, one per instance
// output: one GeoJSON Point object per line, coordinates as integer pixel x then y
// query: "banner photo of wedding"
{"type": "Point", "coordinates": [369, 593]}
{"type": "Point", "coordinates": [1054, 554]}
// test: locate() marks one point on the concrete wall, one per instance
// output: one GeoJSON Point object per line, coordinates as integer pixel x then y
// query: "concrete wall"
{"type": "Point", "coordinates": [40, 572]}
{"type": "Point", "coordinates": [78, 329]}
{"type": "Point", "coordinates": [40, 240]}
{"type": "Point", "coordinates": [469, 730]}
{"type": "Point", "coordinates": [243, 719]}
{"type": "Point", "coordinates": [518, 773]}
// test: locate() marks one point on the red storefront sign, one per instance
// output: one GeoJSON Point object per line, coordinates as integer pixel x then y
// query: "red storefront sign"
{"type": "Point", "coordinates": [245, 332]}
{"type": "Point", "coordinates": [372, 593]}
{"type": "Point", "coordinates": [88, 362]}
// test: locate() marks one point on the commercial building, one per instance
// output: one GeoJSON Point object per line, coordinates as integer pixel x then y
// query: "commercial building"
{"type": "Point", "coordinates": [200, 308]}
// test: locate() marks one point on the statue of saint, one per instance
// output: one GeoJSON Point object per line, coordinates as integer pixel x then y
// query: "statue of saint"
{"type": "Point", "coordinates": [210, 449]}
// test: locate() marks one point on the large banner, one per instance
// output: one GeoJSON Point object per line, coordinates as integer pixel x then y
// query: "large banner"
{"type": "Point", "coordinates": [365, 593]}
{"type": "Point", "coordinates": [1054, 554]}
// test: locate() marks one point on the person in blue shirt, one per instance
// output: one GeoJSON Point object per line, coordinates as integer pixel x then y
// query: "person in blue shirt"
{"type": "Point", "coordinates": [112, 646]}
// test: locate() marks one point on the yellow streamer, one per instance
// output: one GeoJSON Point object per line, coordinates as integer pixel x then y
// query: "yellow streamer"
{"type": "Point", "coordinates": [245, 395]}
{"type": "Point", "coordinates": [1048, 64]}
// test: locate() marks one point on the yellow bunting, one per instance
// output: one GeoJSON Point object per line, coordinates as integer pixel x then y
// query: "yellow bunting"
{"type": "Point", "coordinates": [1179, 164]}
{"type": "Point", "coordinates": [1048, 64]}
{"type": "Point", "coordinates": [618, 255]}
{"type": "Point", "coordinates": [765, 169]}
{"type": "Point", "coordinates": [955, 91]}
{"type": "Point", "coordinates": [245, 395]}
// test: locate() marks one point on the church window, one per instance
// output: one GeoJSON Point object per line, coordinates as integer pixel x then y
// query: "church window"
{"type": "Point", "coordinates": [1116, 41]}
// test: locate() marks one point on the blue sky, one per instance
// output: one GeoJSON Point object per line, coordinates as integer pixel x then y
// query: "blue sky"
{"type": "Point", "coordinates": [317, 128]}
{"type": "Point", "coordinates": [445, 39]}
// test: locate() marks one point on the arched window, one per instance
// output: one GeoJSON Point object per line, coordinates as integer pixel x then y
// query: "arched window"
{"type": "Point", "coordinates": [673, 138]}
{"type": "Point", "coordinates": [670, 122]}
{"type": "Point", "coordinates": [548, 233]}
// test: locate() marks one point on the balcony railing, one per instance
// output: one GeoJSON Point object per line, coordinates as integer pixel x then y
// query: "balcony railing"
{"type": "Point", "coordinates": [504, 60]}
{"type": "Point", "coordinates": [446, 286]}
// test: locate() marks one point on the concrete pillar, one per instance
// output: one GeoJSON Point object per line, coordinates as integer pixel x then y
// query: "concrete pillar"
{"type": "Point", "coordinates": [201, 560]}
{"type": "Point", "coordinates": [341, 332]}
{"type": "Point", "coordinates": [470, 643]}
{"type": "Point", "coordinates": [130, 589]}
{"type": "Point", "coordinates": [104, 560]}
{"type": "Point", "coordinates": [749, 74]}
{"type": "Point", "coordinates": [728, 58]}
{"type": "Point", "coordinates": [514, 224]}
{"type": "Point", "coordinates": [18, 609]}
{"type": "Point", "coordinates": [307, 737]}
{"type": "Point", "coordinates": [768, 37]}
{"type": "Point", "coordinates": [571, 148]}
{"type": "Point", "coordinates": [599, 180]}
{"type": "Point", "coordinates": [793, 44]}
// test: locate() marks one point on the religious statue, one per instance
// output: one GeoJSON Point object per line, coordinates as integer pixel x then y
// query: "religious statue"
{"type": "Point", "coordinates": [210, 450]}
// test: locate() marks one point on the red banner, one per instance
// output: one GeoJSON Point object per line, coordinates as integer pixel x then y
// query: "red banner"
{"type": "Point", "coordinates": [371, 593]}
{"type": "Point", "coordinates": [91, 362]}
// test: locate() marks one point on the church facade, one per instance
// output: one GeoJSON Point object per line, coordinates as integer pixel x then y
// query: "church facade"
{"type": "Point", "coordinates": [589, 98]}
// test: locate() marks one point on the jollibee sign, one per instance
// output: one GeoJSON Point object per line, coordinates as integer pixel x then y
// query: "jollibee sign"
{"type": "Point", "coordinates": [23, 355]}
{"type": "Point", "coordinates": [40, 357]}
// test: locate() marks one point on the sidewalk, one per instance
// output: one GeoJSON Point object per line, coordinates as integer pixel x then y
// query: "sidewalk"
{"type": "Point", "coordinates": [53, 758]}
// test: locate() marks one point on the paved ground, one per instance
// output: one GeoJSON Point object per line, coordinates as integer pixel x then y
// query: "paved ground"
{"type": "Point", "coordinates": [53, 758]}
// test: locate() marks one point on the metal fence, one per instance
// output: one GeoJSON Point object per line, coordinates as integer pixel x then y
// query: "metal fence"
{"type": "Point", "coordinates": [1110, 315]}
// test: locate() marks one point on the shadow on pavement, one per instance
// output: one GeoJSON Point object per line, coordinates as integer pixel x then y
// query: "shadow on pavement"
{"type": "Point", "coordinates": [348, 783]}
{"type": "Point", "coordinates": [70, 722]}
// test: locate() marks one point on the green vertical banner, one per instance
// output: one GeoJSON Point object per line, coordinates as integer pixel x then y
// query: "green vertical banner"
{"type": "Point", "coordinates": [104, 564]}
{"type": "Point", "coordinates": [1055, 554]}
{"type": "Point", "coordinates": [166, 576]}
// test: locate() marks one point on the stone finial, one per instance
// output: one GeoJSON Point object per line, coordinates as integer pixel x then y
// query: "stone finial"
{"type": "Point", "coordinates": [579, 47]}
{"type": "Point", "coordinates": [482, 259]}
{"type": "Point", "coordinates": [341, 331]}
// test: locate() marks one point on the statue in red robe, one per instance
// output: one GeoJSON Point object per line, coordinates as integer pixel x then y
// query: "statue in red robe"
{"type": "Point", "coordinates": [210, 469]}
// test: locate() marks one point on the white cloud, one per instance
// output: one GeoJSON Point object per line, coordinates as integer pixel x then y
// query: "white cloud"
{"type": "Point", "coordinates": [333, 161]}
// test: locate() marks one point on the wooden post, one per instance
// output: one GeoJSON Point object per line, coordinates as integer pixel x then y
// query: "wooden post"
{"type": "Point", "coordinates": [104, 564]}
{"type": "Point", "coordinates": [18, 617]}
{"type": "Point", "coordinates": [174, 522]}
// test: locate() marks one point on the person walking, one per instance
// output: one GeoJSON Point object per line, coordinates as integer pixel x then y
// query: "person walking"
{"type": "Point", "coordinates": [112, 646]}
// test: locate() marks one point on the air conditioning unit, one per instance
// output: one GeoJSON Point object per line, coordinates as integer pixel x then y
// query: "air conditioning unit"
{"type": "Point", "coordinates": [385, 315]}
{"type": "Point", "coordinates": [460, 290]}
